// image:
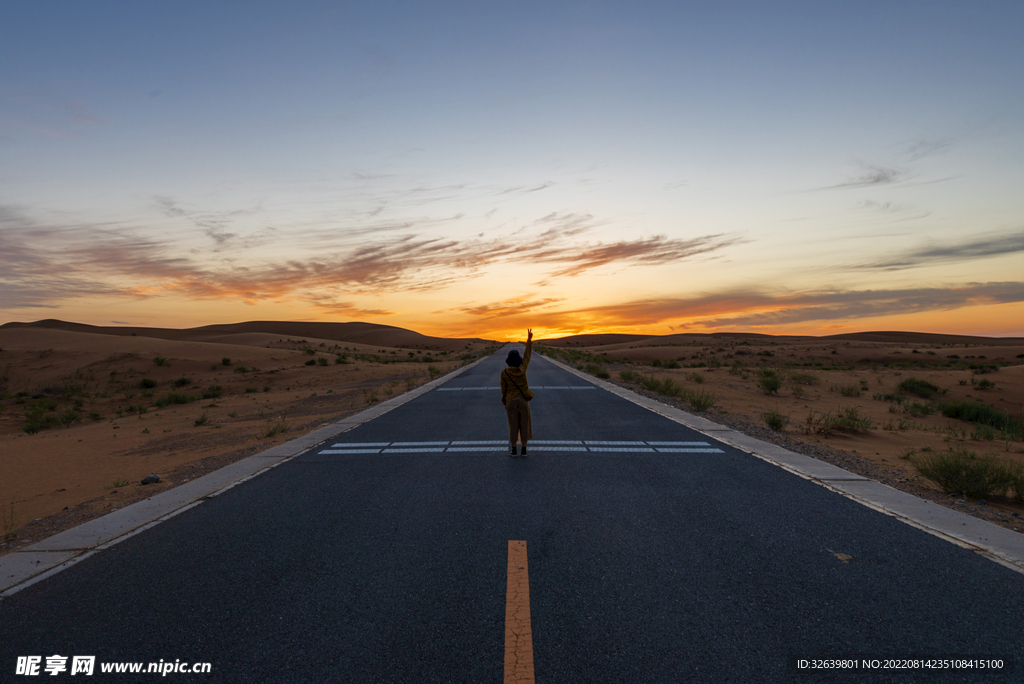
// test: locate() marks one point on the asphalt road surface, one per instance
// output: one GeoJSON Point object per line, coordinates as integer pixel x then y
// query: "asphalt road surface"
{"type": "Point", "coordinates": [655, 555]}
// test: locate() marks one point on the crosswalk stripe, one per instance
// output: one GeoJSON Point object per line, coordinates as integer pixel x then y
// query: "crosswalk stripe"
{"type": "Point", "coordinates": [546, 445]}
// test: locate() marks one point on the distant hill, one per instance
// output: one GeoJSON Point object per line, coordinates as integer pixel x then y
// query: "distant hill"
{"type": "Point", "coordinates": [354, 332]}
{"type": "Point", "coordinates": [885, 337]}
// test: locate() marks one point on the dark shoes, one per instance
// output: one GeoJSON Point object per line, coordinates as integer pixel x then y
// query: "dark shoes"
{"type": "Point", "coordinates": [524, 451]}
{"type": "Point", "coordinates": [512, 452]}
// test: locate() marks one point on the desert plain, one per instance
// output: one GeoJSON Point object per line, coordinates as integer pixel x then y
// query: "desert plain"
{"type": "Point", "coordinates": [87, 412]}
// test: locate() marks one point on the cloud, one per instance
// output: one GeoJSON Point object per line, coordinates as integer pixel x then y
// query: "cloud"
{"type": "Point", "coordinates": [975, 248]}
{"type": "Point", "coordinates": [518, 306]}
{"type": "Point", "coordinates": [752, 310]}
{"type": "Point", "coordinates": [44, 263]}
{"type": "Point", "coordinates": [926, 147]}
{"type": "Point", "coordinates": [214, 224]}
{"type": "Point", "coordinates": [643, 251]}
{"type": "Point", "coordinates": [871, 176]}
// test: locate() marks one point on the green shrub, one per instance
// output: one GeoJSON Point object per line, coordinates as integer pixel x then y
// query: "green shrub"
{"type": "Point", "coordinates": [434, 371]}
{"type": "Point", "coordinates": [212, 392]}
{"type": "Point", "coordinates": [921, 388]}
{"type": "Point", "coordinates": [147, 383]}
{"type": "Point", "coordinates": [272, 428]}
{"type": "Point", "coordinates": [182, 382]}
{"type": "Point", "coordinates": [160, 361]}
{"type": "Point", "coordinates": [983, 433]}
{"type": "Point", "coordinates": [849, 420]}
{"type": "Point", "coordinates": [311, 362]}
{"type": "Point", "coordinates": [846, 390]}
{"type": "Point", "coordinates": [770, 382]}
{"type": "Point", "coordinates": [802, 378]}
{"type": "Point", "coordinates": [700, 401]}
{"type": "Point", "coordinates": [38, 419]}
{"type": "Point", "coordinates": [68, 417]}
{"type": "Point", "coordinates": [175, 398]}
{"type": "Point", "coordinates": [695, 377]}
{"type": "Point", "coordinates": [775, 420]}
{"type": "Point", "coordinates": [244, 369]}
{"type": "Point", "coordinates": [628, 376]}
{"type": "Point", "coordinates": [667, 387]}
{"type": "Point", "coordinates": [984, 384]}
{"type": "Point", "coordinates": [959, 471]}
{"type": "Point", "coordinates": [980, 368]}
{"type": "Point", "coordinates": [974, 412]}
{"type": "Point", "coordinates": [226, 361]}
{"type": "Point", "coordinates": [919, 409]}
{"type": "Point", "coordinates": [201, 420]}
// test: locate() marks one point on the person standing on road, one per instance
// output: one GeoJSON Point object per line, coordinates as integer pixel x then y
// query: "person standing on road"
{"type": "Point", "coordinates": [516, 394]}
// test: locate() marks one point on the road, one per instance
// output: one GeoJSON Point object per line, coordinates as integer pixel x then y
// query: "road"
{"type": "Point", "coordinates": [655, 554]}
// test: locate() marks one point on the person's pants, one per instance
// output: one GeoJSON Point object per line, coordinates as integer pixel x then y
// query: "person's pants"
{"type": "Point", "coordinates": [520, 427]}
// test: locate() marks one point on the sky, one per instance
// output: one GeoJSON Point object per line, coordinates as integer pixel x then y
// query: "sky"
{"type": "Point", "coordinates": [475, 169]}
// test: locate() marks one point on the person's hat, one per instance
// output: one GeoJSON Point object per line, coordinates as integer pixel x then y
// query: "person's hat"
{"type": "Point", "coordinates": [513, 358]}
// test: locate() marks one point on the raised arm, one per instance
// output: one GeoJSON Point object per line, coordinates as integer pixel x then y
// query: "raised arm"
{"type": "Point", "coordinates": [529, 348]}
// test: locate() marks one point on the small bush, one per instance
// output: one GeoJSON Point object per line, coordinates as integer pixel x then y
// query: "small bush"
{"type": "Point", "coordinates": [775, 420]}
{"type": "Point", "coordinates": [984, 384]}
{"type": "Point", "coordinates": [846, 390]}
{"type": "Point", "coordinates": [212, 392]}
{"type": "Point", "coordinates": [434, 371]}
{"type": "Point", "coordinates": [147, 383]}
{"type": "Point", "coordinates": [628, 376]}
{"type": "Point", "coordinates": [225, 361]}
{"type": "Point", "coordinates": [322, 361]}
{"type": "Point", "coordinates": [974, 412]}
{"type": "Point", "coordinates": [160, 361]}
{"type": "Point", "coordinates": [802, 378]}
{"type": "Point", "coordinates": [182, 382]}
{"type": "Point", "coordinates": [980, 368]}
{"type": "Point", "coordinates": [919, 409]}
{"type": "Point", "coordinates": [667, 387]}
{"type": "Point", "coordinates": [921, 388]}
{"type": "Point", "coordinates": [770, 382]}
{"type": "Point", "coordinates": [959, 471]}
{"type": "Point", "coordinates": [700, 401]}
{"type": "Point", "coordinates": [201, 420]}
{"type": "Point", "coordinates": [695, 377]}
{"type": "Point", "coordinates": [311, 362]}
{"type": "Point", "coordinates": [175, 398]}
{"type": "Point", "coordinates": [272, 428]}
{"type": "Point", "coordinates": [983, 433]}
{"type": "Point", "coordinates": [244, 369]}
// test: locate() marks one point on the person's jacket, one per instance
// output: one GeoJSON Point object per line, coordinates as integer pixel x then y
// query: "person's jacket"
{"type": "Point", "coordinates": [513, 375]}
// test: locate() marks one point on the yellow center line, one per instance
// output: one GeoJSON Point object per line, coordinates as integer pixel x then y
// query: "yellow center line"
{"type": "Point", "coordinates": [518, 638]}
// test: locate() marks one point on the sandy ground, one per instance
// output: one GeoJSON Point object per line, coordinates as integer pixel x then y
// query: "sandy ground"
{"type": "Point", "coordinates": [106, 387]}
{"type": "Point", "coordinates": [833, 375]}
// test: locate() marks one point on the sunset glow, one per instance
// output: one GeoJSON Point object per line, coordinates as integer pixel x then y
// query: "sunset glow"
{"type": "Point", "coordinates": [474, 170]}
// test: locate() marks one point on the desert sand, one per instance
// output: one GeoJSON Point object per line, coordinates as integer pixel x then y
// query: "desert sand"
{"type": "Point", "coordinates": [831, 376]}
{"type": "Point", "coordinates": [95, 394]}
